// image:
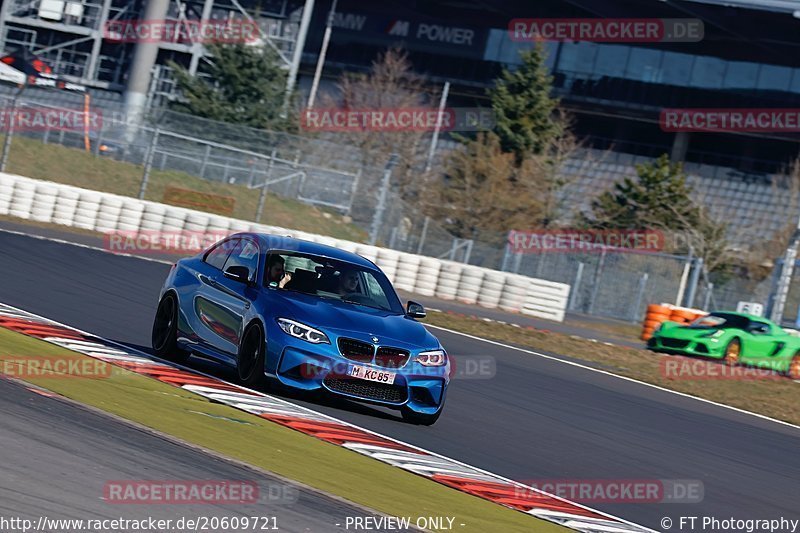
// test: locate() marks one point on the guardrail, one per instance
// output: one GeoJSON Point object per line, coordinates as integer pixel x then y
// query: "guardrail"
{"type": "Point", "coordinates": [46, 201]}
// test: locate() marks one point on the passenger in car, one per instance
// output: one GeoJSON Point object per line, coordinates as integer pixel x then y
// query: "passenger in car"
{"type": "Point", "coordinates": [348, 282]}
{"type": "Point", "coordinates": [276, 272]}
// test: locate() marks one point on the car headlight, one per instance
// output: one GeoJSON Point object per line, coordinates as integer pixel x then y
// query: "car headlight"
{"type": "Point", "coordinates": [713, 334]}
{"type": "Point", "coordinates": [432, 358]}
{"type": "Point", "coordinates": [301, 331]}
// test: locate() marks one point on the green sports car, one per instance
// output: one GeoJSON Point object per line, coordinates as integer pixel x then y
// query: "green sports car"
{"type": "Point", "coordinates": [733, 337]}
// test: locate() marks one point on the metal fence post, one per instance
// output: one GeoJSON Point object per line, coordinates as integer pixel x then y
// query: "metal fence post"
{"type": "Point", "coordinates": [468, 251]}
{"type": "Point", "coordinates": [785, 278]}
{"type": "Point", "coordinates": [694, 280]}
{"type": "Point", "coordinates": [540, 265]}
{"type": "Point", "coordinates": [262, 198]}
{"type": "Point", "coordinates": [576, 285]}
{"type": "Point", "coordinates": [377, 219]}
{"type": "Point", "coordinates": [10, 131]}
{"type": "Point", "coordinates": [707, 299]}
{"type": "Point", "coordinates": [353, 190]}
{"type": "Point", "coordinates": [423, 235]}
{"type": "Point", "coordinates": [517, 262]}
{"type": "Point", "coordinates": [596, 282]}
{"type": "Point", "coordinates": [506, 257]}
{"type": "Point", "coordinates": [206, 155]}
{"type": "Point", "coordinates": [639, 297]}
{"type": "Point", "coordinates": [295, 164]}
{"type": "Point", "coordinates": [684, 276]}
{"type": "Point", "coordinates": [251, 175]}
{"type": "Point", "coordinates": [148, 164]}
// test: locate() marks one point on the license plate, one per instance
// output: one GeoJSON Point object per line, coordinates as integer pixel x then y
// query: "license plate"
{"type": "Point", "coordinates": [370, 374]}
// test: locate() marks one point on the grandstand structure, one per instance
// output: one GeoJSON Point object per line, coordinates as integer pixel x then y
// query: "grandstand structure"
{"type": "Point", "coordinates": [753, 206]}
{"type": "Point", "coordinates": [748, 58]}
{"type": "Point", "coordinates": [77, 39]}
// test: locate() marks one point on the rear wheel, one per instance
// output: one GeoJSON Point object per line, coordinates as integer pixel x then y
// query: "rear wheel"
{"type": "Point", "coordinates": [733, 352]}
{"type": "Point", "coordinates": [250, 363]}
{"type": "Point", "coordinates": [794, 367]}
{"type": "Point", "coordinates": [165, 331]}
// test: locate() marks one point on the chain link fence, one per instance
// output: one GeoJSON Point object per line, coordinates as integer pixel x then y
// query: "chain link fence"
{"type": "Point", "coordinates": [255, 167]}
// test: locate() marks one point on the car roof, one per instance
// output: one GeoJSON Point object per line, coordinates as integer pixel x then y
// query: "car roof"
{"type": "Point", "coordinates": [290, 244]}
{"type": "Point", "coordinates": [743, 315]}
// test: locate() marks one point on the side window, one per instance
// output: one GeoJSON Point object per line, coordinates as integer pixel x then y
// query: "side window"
{"type": "Point", "coordinates": [218, 254]}
{"type": "Point", "coordinates": [245, 254]}
{"type": "Point", "coordinates": [375, 291]}
{"type": "Point", "coordinates": [759, 328]}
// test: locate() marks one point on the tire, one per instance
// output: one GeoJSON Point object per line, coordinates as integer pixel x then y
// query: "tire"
{"type": "Point", "coordinates": [420, 419]}
{"type": "Point", "coordinates": [250, 360]}
{"type": "Point", "coordinates": [794, 367]}
{"type": "Point", "coordinates": [733, 352]}
{"type": "Point", "coordinates": [165, 331]}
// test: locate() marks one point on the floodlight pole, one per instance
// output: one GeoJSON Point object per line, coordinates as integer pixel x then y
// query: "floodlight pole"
{"type": "Point", "coordinates": [785, 279]}
{"type": "Point", "coordinates": [326, 38]}
{"type": "Point", "coordinates": [291, 79]}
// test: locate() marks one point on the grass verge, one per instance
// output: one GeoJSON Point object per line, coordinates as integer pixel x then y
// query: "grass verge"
{"type": "Point", "coordinates": [261, 443]}
{"type": "Point", "coordinates": [37, 160]}
{"type": "Point", "coordinates": [770, 395]}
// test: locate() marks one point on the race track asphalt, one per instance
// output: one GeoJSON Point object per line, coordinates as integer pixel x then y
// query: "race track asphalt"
{"type": "Point", "coordinates": [535, 419]}
{"type": "Point", "coordinates": [58, 457]}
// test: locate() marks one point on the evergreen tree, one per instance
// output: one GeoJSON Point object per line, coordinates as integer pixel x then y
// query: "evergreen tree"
{"type": "Point", "coordinates": [523, 107]}
{"type": "Point", "coordinates": [657, 197]}
{"type": "Point", "coordinates": [660, 198]}
{"type": "Point", "coordinates": [245, 85]}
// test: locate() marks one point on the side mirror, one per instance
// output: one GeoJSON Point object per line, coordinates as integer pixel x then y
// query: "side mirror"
{"type": "Point", "coordinates": [415, 310]}
{"type": "Point", "coordinates": [238, 273]}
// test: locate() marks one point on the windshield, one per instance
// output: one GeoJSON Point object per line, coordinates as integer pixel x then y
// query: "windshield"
{"type": "Point", "coordinates": [720, 321]}
{"type": "Point", "coordinates": [331, 279]}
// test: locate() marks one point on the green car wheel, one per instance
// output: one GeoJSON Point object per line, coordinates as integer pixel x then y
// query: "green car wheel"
{"type": "Point", "coordinates": [794, 367]}
{"type": "Point", "coordinates": [732, 352]}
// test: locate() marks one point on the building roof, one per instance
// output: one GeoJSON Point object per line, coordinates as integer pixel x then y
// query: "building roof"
{"type": "Point", "coordinates": [780, 6]}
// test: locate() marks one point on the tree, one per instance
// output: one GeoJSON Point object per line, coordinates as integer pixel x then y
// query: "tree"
{"type": "Point", "coordinates": [660, 198]}
{"type": "Point", "coordinates": [651, 198]}
{"type": "Point", "coordinates": [245, 84]}
{"type": "Point", "coordinates": [523, 107]}
{"type": "Point", "coordinates": [481, 192]}
{"type": "Point", "coordinates": [390, 84]}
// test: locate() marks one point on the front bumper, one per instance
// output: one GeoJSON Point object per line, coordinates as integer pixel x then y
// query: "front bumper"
{"type": "Point", "coordinates": [300, 365]}
{"type": "Point", "coordinates": [706, 347]}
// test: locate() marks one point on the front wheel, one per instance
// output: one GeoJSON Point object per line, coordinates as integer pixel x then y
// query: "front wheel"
{"type": "Point", "coordinates": [794, 367]}
{"type": "Point", "coordinates": [420, 419]}
{"type": "Point", "coordinates": [250, 363]}
{"type": "Point", "coordinates": [165, 331]}
{"type": "Point", "coordinates": [732, 352]}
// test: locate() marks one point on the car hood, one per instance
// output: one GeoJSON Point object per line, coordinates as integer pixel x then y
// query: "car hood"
{"type": "Point", "coordinates": [356, 321]}
{"type": "Point", "coordinates": [685, 332]}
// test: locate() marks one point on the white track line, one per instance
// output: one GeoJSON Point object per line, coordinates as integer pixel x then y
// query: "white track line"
{"type": "Point", "coordinates": [531, 352]}
{"type": "Point", "coordinates": [337, 420]}
{"type": "Point", "coordinates": [87, 246]}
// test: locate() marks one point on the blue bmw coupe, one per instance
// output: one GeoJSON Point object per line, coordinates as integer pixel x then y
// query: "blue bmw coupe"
{"type": "Point", "coordinates": [310, 316]}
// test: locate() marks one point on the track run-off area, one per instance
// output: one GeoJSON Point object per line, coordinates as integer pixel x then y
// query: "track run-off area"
{"type": "Point", "coordinates": [535, 419]}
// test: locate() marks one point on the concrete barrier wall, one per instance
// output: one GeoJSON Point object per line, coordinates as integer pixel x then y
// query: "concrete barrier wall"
{"type": "Point", "coordinates": [46, 201]}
